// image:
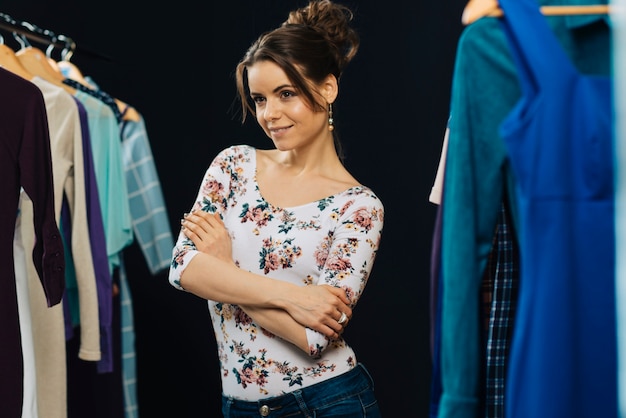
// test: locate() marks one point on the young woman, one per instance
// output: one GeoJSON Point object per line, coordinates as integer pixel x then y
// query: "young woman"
{"type": "Point", "coordinates": [281, 242]}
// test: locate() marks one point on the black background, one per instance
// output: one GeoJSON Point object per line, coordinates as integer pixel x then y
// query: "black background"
{"type": "Point", "coordinates": [174, 62]}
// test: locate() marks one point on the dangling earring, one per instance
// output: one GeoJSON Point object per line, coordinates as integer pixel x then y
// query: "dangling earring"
{"type": "Point", "coordinates": [331, 122]}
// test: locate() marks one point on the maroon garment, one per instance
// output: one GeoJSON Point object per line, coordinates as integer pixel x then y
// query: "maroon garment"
{"type": "Point", "coordinates": [25, 162]}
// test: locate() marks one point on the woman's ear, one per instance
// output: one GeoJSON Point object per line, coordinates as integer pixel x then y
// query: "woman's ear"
{"type": "Point", "coordinates": [330, 88]}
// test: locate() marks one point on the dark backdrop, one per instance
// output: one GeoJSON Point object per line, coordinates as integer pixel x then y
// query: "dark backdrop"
{"type": "Point", "coordinates": [174, 62]}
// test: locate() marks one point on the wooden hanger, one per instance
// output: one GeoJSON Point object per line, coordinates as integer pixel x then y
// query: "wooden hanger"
{"type": "Point", "coordinates": [475, 9]}
{"type": "Point", "coordinates": [70, 70]}
{"type": "Point", "coordinates": [129, 112]}
{"type": "Point", "coordinates": [36, 63]}
{"type": "Point", "coordinates": [9, 61]}
{"type": "Point", "coordinates": [30, 61]}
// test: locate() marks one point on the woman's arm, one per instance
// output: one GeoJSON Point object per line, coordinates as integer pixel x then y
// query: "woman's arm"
{"type": "Point", "coordinates": [283, 308]}
{"type": "Point", "coordinates": [350, 250]}
{"type": "Point", "coordinates": [280, 323]}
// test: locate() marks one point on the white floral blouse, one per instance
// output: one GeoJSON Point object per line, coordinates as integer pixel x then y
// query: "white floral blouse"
{"type": "Point", "coordinates": [330, 241]}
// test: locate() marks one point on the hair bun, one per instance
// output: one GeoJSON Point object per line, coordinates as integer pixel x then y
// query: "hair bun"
{"type": "Point", "coordinates": [332, 21]}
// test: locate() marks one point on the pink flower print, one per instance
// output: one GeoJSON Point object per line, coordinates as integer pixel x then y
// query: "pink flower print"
{"type": "Point", "coordinates": [178, 260]}
{"type": "Point", "coordinates": [272, 262]}
{"type": "Point", "coordinates": [213, 187]}
{"type": "Point", "coordinates": [241, 317]}
{"type": "Point", "coordinates": [321, 253]}
{"type": "Point", "coordinates": [258, 215]}
{"type": "Point", "coordinates": [350, 293]}
{"type": "Point", "coordinates": [247, 376]}
{"type": "Point", "coordinates": [337, 264]}
{"type": "Point", "coordinates": [363, 218]}
{"type": "Point", "coordinates": [345, 207]}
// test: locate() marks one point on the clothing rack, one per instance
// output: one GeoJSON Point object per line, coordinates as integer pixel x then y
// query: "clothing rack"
{"type": "Point", "coordinates": [47, 37]}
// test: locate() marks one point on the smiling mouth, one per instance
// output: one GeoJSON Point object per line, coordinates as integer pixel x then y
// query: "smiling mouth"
{"type": "Point", "coordinates": [279, 130]}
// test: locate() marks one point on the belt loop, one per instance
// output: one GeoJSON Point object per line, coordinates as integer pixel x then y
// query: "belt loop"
{"type": "Point", "coordinates": [301, 403]}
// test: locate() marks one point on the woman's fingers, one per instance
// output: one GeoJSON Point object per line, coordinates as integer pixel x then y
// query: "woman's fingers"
{"type": "Point", "coordinates": [214, 220]}
{"type": "Point", "coordinates": [208, 233]}
{"type": "Point", "coordinates": [323, 306]}
{"type": "Point", "coordinates": [203, 224]}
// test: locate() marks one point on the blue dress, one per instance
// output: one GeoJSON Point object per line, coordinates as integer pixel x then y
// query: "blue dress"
{"type": "Point", "coordinates": [559, 140]}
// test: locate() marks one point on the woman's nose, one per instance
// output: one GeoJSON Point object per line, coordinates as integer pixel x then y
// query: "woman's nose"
{"type": "Point", "coordinates": [272, 111]}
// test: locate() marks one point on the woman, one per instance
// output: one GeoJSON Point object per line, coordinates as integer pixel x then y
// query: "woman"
{"type": "Point", "coordinates": [281, 242]}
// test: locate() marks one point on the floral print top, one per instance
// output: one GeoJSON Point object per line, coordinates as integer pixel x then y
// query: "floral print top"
{"type": "Point", "coordinates": [330, 241]}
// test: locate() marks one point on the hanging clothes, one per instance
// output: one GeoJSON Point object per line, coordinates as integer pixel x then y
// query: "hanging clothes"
{"type": "Point", "coordinates": [152, 233]}
{"type": "Point", "coordinates": [30, 407]}
{"type": "Point", "coordinates": [478, 179]}
{"type": "Point", "coordinates": [499, 300]}
{"type": "Point", "coordinates": [105, 141]}
{"type": "Point", "coordinates": [499, 291]}
{"type": "Point", "coordinates": [27, 163]}
{"type": "Point", "coordinates": [151, 229]}
{"type": "Point", "coordinates": [48, 324]}
{"type": "Point", "coordinates": [559, 139]}
{"type": "Point", "coordinates": [95, 225]}
{"type": "Point", "coordinates": [618, 19]}
{"type": "Point", "coordinates": [97, 239]}
{"type": "Point", "coordinates": [147, 205]}
{"type": "Point", "coordinates": [89, 384]}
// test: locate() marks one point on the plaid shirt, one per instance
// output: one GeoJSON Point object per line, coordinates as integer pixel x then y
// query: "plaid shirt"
{"type": "Point", "coordinates": [499, 291]}
{"type": "Point", "coordinates": [153, 234]}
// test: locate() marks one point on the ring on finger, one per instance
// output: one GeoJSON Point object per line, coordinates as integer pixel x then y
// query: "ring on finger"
{"type": "Point", "coordinates": [343, 318]}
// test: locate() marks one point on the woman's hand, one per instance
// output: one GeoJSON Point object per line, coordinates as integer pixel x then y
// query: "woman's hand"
{"type": "Point", "coordinates": [208, 233]}
{"type": "Point", "coordinates": [320, 307]}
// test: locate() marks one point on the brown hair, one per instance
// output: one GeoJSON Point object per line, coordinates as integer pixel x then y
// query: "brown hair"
{"type": "Point", "coordinates": [314, 41]}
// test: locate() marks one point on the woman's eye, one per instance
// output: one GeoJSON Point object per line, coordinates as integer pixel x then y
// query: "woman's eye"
{"type": "Point", "coordinates": [258, 100]}
{"type": "Point", "coordinates": [287, 94]}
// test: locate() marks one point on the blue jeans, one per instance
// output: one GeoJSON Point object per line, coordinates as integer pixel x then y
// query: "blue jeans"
{"type": "Point", "coordinates": [350, 395]}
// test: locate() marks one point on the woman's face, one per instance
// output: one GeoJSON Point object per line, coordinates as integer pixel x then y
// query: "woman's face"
{"type": "Point", "coordinates": [282, 113]}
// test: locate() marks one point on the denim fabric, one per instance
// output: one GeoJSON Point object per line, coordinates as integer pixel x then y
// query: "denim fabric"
{"type": "Point", "coordinates": [348, 395]}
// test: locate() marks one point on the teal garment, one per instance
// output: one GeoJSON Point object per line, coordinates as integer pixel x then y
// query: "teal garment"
{"type": "Point", "coordinates": [105, 139]}
{"type": "Point", "coordinates": [477, 179]}
{"type": "Point", "coordinates": [110, 176]}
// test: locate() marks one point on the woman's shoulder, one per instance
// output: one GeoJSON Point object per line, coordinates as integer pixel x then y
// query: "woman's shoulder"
{"type": "Point", "coordinates": [234, 158]}
{"type": "Point", "coordinates": [362, 195]}
{"type": "Point", "coordinates": [235, 155]}
{"type": "Point", "coordinates": [359, 207]}
{"type": "Point", "coordinates": [237, 150]}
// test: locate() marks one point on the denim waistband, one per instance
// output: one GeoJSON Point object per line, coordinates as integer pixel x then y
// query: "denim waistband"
{"type": "Point", "coordinates": [334, 389]}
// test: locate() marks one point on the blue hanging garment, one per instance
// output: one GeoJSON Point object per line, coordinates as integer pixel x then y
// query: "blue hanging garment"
{"type": "Point", "coordinates": [559, 140]}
